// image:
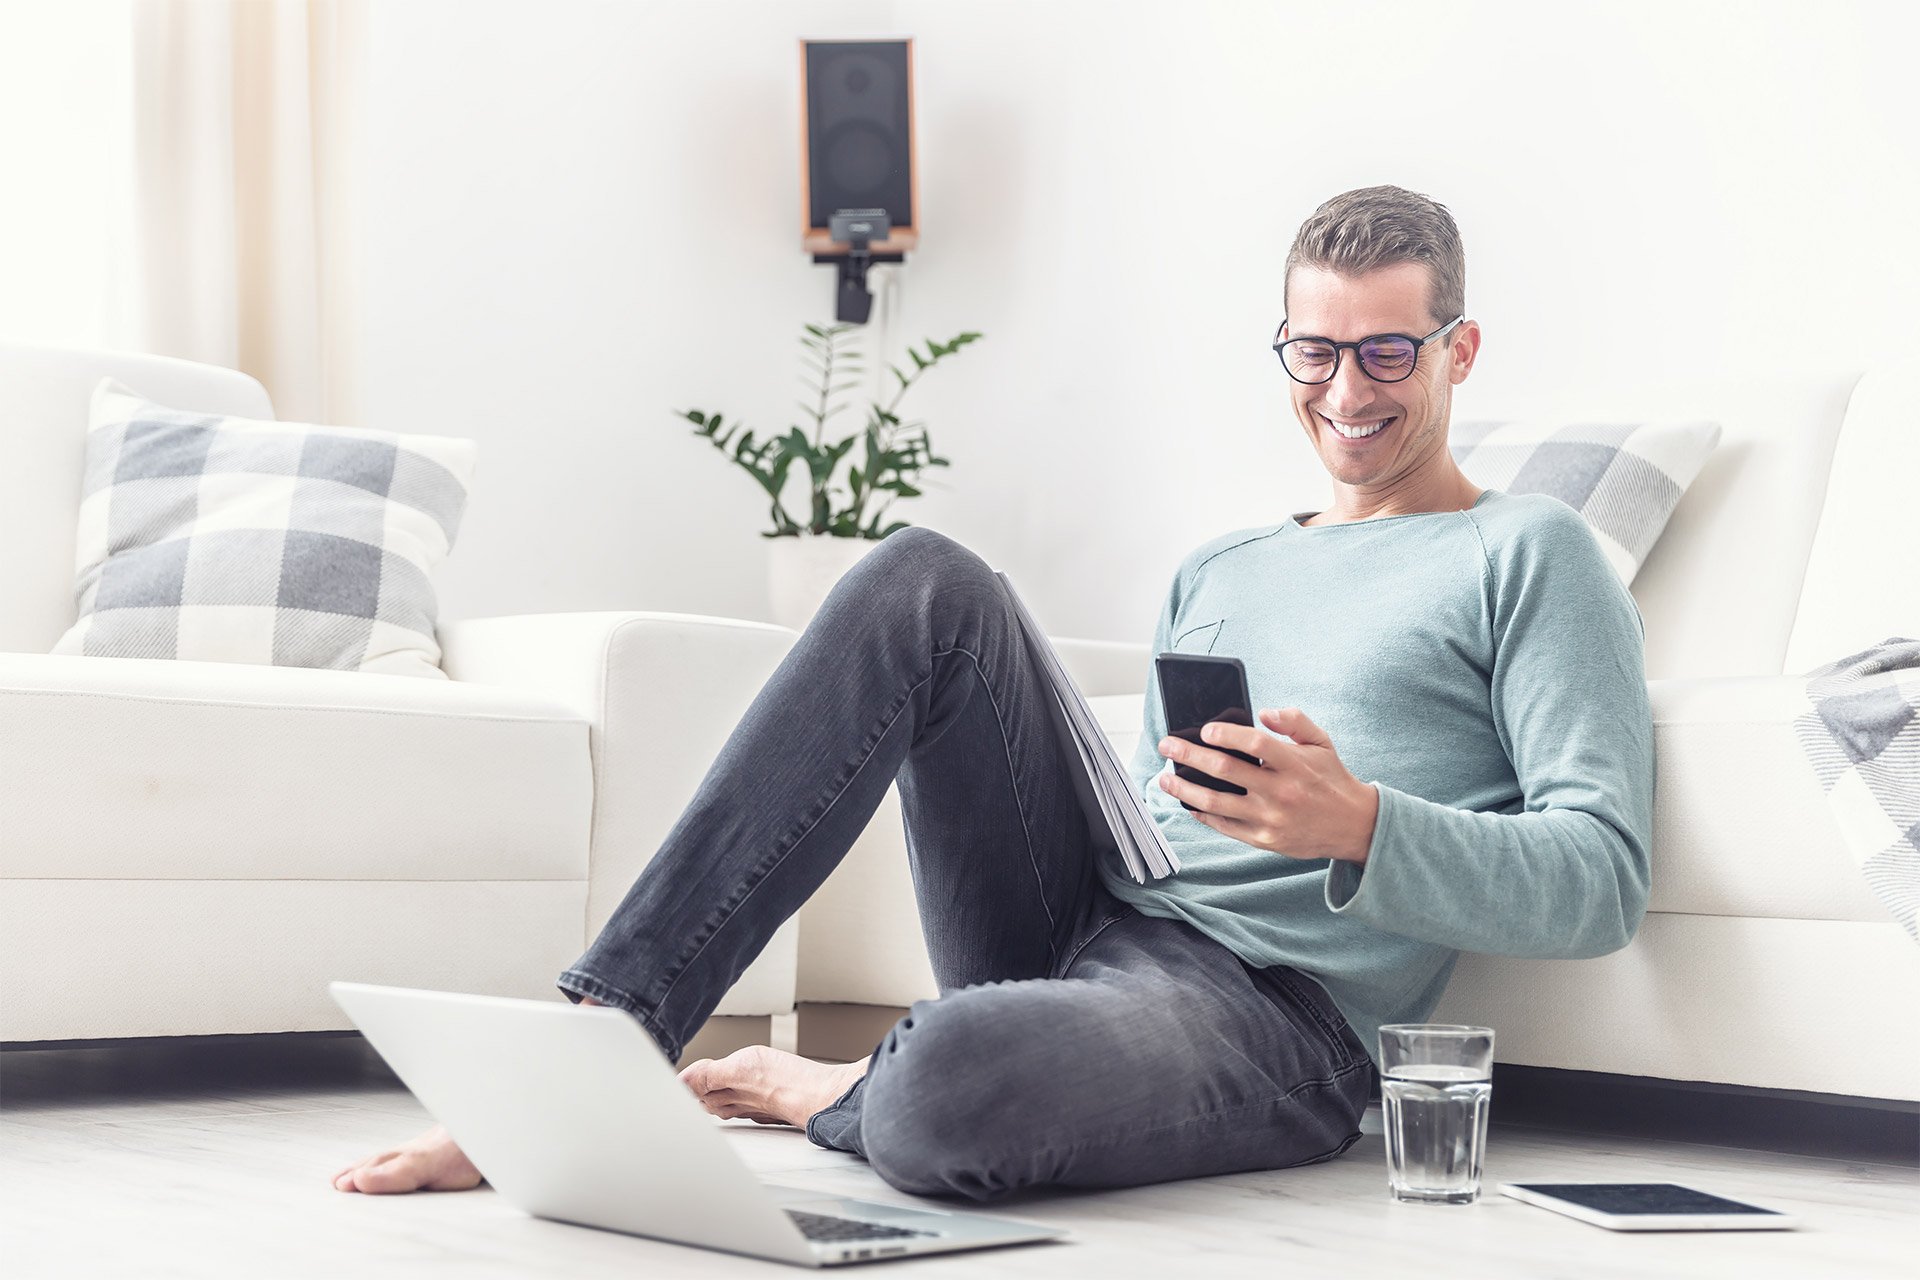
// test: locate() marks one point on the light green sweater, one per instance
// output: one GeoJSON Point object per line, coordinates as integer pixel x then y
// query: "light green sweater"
{"type": "Point", "coordinates": [1485, 670]}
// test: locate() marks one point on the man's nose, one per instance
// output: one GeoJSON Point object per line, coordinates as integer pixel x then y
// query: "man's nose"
{"type": "Point", "coordinates": [1350, 389]}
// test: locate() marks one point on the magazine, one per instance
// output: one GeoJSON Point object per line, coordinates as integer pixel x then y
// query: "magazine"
{"type": "Point", "coordinates": [1116, 815]}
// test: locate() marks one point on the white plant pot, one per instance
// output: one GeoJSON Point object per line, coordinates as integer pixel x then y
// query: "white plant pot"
{"type": "Point", "coordinates": [801, 571]}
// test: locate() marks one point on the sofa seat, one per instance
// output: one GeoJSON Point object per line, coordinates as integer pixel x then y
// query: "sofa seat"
{"type": "Point", "coordinates": [121, 768]}
{"type": "Point", "coordinates": [181, 839]}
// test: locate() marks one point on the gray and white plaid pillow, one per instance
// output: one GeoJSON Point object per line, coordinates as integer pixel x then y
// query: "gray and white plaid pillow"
{"type": "Point", "coordinates": [238, 540]}
{"type": "Point", "coordinates": [1624, 481]}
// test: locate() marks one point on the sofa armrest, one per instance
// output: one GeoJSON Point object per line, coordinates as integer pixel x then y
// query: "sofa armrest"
{"type": "Point", "coordinates": [661, 693]}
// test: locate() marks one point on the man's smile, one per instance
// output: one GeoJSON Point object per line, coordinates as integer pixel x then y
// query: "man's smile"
{"type": "Point", "coordinates": [1357, 428]}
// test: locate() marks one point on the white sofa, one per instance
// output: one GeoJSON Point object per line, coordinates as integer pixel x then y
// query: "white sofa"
{"type": "Point", "coordinates": [193, 848]}
{"type": "Point", "coordinates": [1764, 959]}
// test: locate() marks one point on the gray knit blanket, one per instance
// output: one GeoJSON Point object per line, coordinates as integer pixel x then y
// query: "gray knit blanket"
{"type": "Point", "coordinates": [1862, 736]}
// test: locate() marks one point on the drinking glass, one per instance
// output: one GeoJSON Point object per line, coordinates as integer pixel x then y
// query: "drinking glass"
{"type": "Point", "coordinates": [1436, 1084]}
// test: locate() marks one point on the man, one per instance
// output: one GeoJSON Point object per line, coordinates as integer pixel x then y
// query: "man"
{"type": "Point", "coordinates": [1472, 653]}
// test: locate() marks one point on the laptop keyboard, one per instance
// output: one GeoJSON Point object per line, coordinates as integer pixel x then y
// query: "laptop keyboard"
{"type": "Point", "coordinates": [820, 1226]}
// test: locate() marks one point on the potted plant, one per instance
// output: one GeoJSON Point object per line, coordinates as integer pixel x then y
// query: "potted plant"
{"type": "Point", "coordinates": [852, 481]}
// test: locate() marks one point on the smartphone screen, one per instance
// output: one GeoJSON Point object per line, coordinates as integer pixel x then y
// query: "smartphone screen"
{"type": "Point", "coordinates": [1195, 690]}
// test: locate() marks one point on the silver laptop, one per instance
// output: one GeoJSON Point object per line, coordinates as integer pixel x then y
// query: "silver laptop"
{"type": "Point", "coordinates": [573, 1113]}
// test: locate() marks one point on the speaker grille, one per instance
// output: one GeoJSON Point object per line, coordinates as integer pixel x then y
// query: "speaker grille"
{"type": "Point", "coordinates": [859, 129]}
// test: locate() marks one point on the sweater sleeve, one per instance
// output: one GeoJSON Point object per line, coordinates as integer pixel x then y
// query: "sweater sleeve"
{"type": "Point", "coordinates": [1567, 876]}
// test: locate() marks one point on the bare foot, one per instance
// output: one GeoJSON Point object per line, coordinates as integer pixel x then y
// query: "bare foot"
{"type": "Point", "coordinates": [769, 1086]}
{"type": "Point", "coordinates": [431, 1162]}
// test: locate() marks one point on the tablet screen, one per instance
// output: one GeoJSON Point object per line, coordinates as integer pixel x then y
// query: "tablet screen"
{"type": "Point", "coordinates": [1642, 1197]}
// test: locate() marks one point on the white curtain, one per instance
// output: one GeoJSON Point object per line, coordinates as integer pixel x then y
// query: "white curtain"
{"type": "Point", "coordinates": [246, 155]}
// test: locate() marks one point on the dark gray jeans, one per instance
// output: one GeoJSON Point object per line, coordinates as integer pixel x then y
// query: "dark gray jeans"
{"type": "Point", "coordinates": [1076, 1042]}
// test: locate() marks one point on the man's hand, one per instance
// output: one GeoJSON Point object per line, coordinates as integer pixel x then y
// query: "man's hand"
{"type": "Point", "coordinates": [1300, 801]}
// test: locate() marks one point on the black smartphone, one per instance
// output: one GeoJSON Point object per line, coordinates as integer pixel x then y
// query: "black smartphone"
{"type": "Point", "coordinates": [1196, 689]}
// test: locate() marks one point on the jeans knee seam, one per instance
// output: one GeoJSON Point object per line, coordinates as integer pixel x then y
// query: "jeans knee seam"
{"type": "Point", "coordinates": [1019, 804]}
{"type": "Point", "coordinates": [771, 864]}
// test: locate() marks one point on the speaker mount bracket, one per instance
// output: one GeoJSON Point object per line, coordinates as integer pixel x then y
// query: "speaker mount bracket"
{"type": "Point", "coordinates": [857, 229]}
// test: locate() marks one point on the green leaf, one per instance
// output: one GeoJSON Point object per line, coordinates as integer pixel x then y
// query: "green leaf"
{"type": "Point", "coordinates": [777, 477]}
{"type": "Point", "coordinates": [918, 363]}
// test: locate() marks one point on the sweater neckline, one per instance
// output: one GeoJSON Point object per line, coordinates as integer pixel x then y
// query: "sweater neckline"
{"type": "Point", "coordinates": [1298, 516]}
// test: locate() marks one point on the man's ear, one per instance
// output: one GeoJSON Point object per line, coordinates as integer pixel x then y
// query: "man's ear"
{"type": "Point", "coordinates": [1464, 343]}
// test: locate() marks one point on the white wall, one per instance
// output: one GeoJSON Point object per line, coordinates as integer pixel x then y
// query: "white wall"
{"type": "Point", "coordinates": [585, 216]}
{"type": "Point", "coordinates": [582, 216]}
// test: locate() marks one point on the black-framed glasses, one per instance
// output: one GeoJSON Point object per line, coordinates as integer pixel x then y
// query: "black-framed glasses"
{"type": "Point", "coordinates": [1384, 357]}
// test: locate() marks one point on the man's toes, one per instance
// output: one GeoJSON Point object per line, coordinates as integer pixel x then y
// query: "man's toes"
{"type": "Point", "coordinates": [407, 1171]}
{"type": "Point", "coordinates": [344, 1180]}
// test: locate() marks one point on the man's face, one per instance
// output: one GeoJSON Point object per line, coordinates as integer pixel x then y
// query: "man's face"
{"type": "Point", "coordinates": [1412, 449]}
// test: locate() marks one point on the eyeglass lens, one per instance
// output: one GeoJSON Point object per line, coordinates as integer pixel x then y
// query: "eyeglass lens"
{"type": "Point", "coordinates": [1384, 359]}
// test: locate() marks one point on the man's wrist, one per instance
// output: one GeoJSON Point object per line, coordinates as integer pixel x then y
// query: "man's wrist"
{"type": "Point", "coordinates": [1369, 806]}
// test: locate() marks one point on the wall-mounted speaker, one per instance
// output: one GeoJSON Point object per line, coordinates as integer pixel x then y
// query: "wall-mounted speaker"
{"type": "Point", "coordinates": [856, 143]}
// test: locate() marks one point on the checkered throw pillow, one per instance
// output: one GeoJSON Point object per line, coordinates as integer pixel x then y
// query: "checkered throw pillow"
{"type": "Point", "coordinates": [1624, 481]}
{"type": "Point", "coordinates": [234, 540]}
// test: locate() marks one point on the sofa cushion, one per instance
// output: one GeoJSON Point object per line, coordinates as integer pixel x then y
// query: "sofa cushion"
{"type": "Point", "coordinates": [1740, 824]}
{"type": "Point", "coordinates": [124, 768]}
{"type": "Point", "coordinates": [243, 540]}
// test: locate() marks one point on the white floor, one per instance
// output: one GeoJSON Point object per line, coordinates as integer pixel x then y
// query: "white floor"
{"type": "Point", "coordinates": [106, 1173]}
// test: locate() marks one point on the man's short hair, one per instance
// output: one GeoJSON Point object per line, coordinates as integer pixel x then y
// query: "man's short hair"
{"type": "Point", "coordinates": [1373, 227]}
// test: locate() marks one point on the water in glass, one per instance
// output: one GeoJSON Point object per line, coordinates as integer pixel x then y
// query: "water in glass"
{"type": "Point", "coordinates": [1436, 1130]}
